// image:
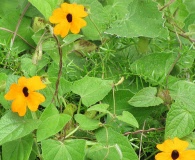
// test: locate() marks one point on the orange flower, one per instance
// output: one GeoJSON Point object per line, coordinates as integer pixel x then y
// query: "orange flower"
{"type": "Point", "coordinates": [68, 17]}
{"type": "Point", "coordinates": [174, 150]}
{"type": "Point", "coordinates": [23, 94]}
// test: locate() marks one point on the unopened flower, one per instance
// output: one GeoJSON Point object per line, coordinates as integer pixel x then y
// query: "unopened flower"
{"type": "Point", "coordinates": [23, 94]}
{"type": "Point", "coordinates": [174, 149]}
{"type": "Point", "coordinates": [68, 17]}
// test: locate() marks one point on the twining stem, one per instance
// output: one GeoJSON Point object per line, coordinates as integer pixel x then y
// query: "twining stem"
{"type": "Point", "coordinates": [60, 69]}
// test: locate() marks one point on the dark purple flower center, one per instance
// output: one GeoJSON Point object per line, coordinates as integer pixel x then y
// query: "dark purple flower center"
{"type": "Point", "coordinates": [25, 91]}
{"type": "Point", "coordinates": [69, 17]}
{"type": "Point", "coordinates": [174, 154]}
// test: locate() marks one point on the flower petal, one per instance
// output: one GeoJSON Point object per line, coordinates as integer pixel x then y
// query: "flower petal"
{"type": "Point", "coordinates": [35, 83]}
{"type": "Point", "coordinates": [22, 81]}
{"type": "Point", "coordinates": [19, 105]}
{"type": "Point", "coordinates": [79, 10]}
{"type": "Point", "coordinates": [34, 99]}
{"type": "Point", "coordinates": [14, 91]}
{"type": "Point", "coordinates": [179, 144]}
{"type": "Point", "coordinates": [166, 146]}
{"type": "Point", "coordinates": [62, 28]}
{"type": "Point", "coordinates": [57, 16]}
{"type": "Point", "coordinates": [163, 156]}
{"type": "Point", "coordinates": [187, 155]}
{"type": "Point", "coordinates": [67, 8]}
{"type": "Point", "coordinates": [77, 24]}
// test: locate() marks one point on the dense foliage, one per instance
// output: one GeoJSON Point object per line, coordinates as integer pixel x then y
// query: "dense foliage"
{"type": "Point", "coordinates": [114, 91]}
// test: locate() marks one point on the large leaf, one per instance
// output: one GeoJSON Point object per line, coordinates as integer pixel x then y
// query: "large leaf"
{"type": "Point", "coordinates": [91, 89]}
{"type": "Point", "coordinates": [180, 121]}
{"type": "Point", "coordinates": [143, 19]}
{"type": "Point", "coordinates": [24, 30]}
{"type": "Point", "coordinates": [13, 127]}
{"type": "Point", "coordinates": [46, 7]}
{"type": "Point", "coordinates": [96, 20]}
{"type": "Point", "coordinates": [183, 91]}
{"type": "Point", "coordinates": [108, 137]}
{"type": "Point", "coordinates": [18, 149]}
{"type": "Point", "coordinates": [145, 98]}
{"type": "Point", "coordinates": [69, 150]}
{"type": "Point", "coordinates": [110, 152]}
{"type": "Point", "coordinates": [153, 67]}
{"type": "Point", "coordinates": [52, 122]}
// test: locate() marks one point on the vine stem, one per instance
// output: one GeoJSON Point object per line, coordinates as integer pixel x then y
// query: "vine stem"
{"type": "Point", "coordinates": [140, 146]}
{"type": "Point", "coordinates": [16, 30]}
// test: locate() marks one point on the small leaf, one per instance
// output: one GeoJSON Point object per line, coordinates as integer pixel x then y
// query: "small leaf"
{"type": "Point", "coordinates": [127, 117]}
{"type": "Point", "coordinates": [100, 108]}
{"type": "Point", "coordinates": [69, 150]}
{"type": "Point", "coordinates": [13, 127]}
{"type": "Point", "coordinates": [92, 89]}
{"type": "Point", "coordinates": [145, 98]}
{"type": "Point", "coordinates": [180, 121]}
{"type": "Point", "coordinates": [71, 38]}
{"type": "Point", "coordinates": [19, 149]}
{"type": "Point", "coordinates": [87, 123]}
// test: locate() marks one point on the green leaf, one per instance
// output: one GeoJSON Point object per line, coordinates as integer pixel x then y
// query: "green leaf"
{"type": "Point", "coordinates": [107, 136]}
{"type": "Point", "coordinates": [86, 123]}
{"type": "Point", "coordinates": [46, 7]}
{"type": "Point", "coordinates": [71, 38]}
{"type": "Point", "coordinates": [128, 118]}
{"type": "Point", "coordinates": [180, 121]}
{"type": "Point", "coordinates": [145, 98]}
{"type": "Point", "coordinates": [55, 120]}
{"type": "Point", "coordinates": [143, 19]}
{"type": "Point", "coordinates": [91, 89]}
{"type": "Point", "coordinates": [69, 150]}
{"type": "Point", "coordinates": [183, 91]}
{"type": "Point", "coordinates": [24, 30]}
{"type": "Point", "coordinates": [110, 152]}
{"type": "Point", "coordinates": [100, 108]}
{"type": "Point", "coordinates": [19, 149]}
{"type": "Point", "coordinates": [153, 67]}
{"type": "Point", "coordinates": [28, 67]}
{"type": "Point", "coordinates": [13, 127]}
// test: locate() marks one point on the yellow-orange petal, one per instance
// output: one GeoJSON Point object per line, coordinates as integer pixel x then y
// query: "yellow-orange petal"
{"type": "Point", "coordinates": [14, 91]}
{"type": "Point", "coordinates": [166, 146]}
{"type": "Point", "coordinates": [22, 81]}
{"type": "Point", "coordinates": [67, 8]}
{"type": "Point", "coordinates": [179, 144]}
{"type": "Point", "coordinates": [187, 155]}
{"type": "Point", "coordinates": [79, 10]}
{"type": "Point", "coordinates": [35, 83]}
{"type": "Point", "coordinates": [34, 99]}
{"type": "Point", "coordinates": [57, 16]}
{"type": "Point", "coordinates": [77, 24]}
{"type": "Point", "coordinates": [163, 156]}
{"type": "Point", "coordinates": [62, 29]}
{"type": "Point", "coordinates": [19, 105]}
